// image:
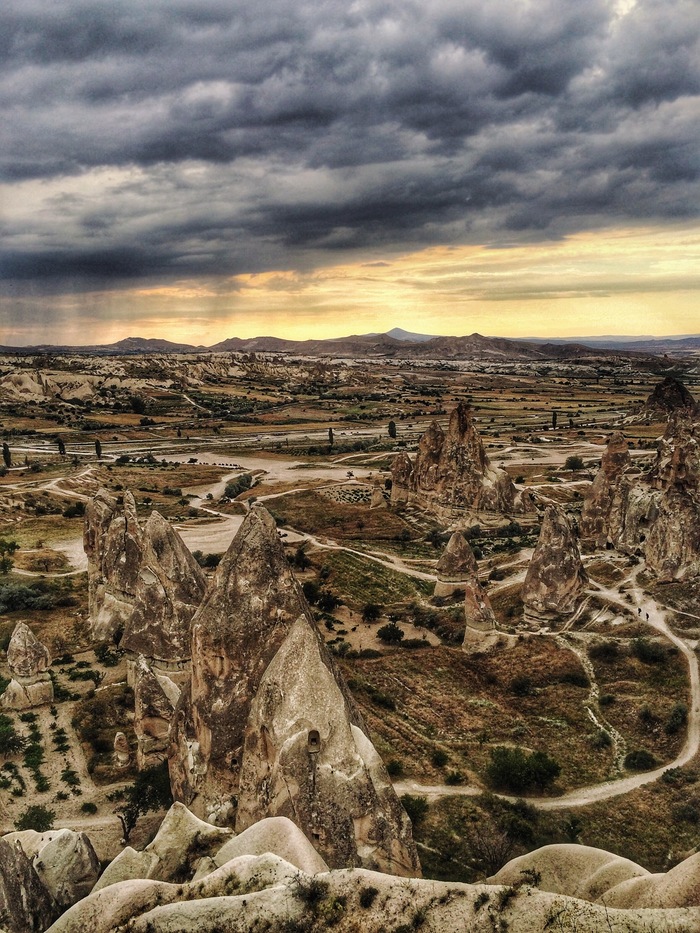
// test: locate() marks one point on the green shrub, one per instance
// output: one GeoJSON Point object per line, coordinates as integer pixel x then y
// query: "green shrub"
{"type": "Point", "coordinates": [390, 634]}
{"type": "Point", "coordinates": [648, 651]}
{"type": "Point", "coordinates": [415, 807]}
{"type": "Point", "coordinates": [439, 757]}
{"type": "Point", "coordinates": [394, 768]}
{"type": "Point", "coordinates": [640, 760]}
{"type": "Point", "coordinates": [512, 769]}
{"type": "Point", "coordinates": [454, 778]}
{"type": "Point", "coordinates": [238, 485]}
{"type": "Point", "coordinates": [36, 817]}
{"type": "Point", "coordinates": [677, 719]}
{"type": "Point", "coordinates": [604, 651]}
{"type": "Point", "coordinates": [368, 896]}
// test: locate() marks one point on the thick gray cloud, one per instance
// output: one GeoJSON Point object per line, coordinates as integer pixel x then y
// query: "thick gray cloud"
{"type": "Point", "coordinates": [184, 137]}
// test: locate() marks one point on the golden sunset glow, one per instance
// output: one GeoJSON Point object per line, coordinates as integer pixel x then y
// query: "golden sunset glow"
{"type": "Point", "coordinates": [620, 281]}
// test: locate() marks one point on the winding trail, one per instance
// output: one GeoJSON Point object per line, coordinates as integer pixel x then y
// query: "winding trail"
{"type": "Point", "coordinates": [583, 796]}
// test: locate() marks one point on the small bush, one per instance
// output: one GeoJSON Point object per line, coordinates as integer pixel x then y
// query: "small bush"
{"type": "Point", "coordinates": [604, 651]}
{"type": "Point", "coordinates": [521, 686]}
{"type": "Point", "coordinates": [601, 739]}
{"type": "Point", "coordinates": [368, 896]}
{"type": "Point", "coordinates": [677, 720]}
{"type": "Point", "coordinates": [648, 651]}
{"type": "Point", "coordinates": [394, 768]}
{"type": "Point", "coordinates": [390, 634]}
{"type": "Point", "coordinates": [415, 807]}
{"type": "Point", "coordinates": [453, 778]}
{"type": "Point", "coordinates": [88, 807]}
{"type": "Point", "coordinates": [36, 817]}
{"type": "Point", "coordinates": [640, 760]}
{"type": "Point", "coordinates": [575, 678]}
{"type": "Point", "coordinates": [439, 757]}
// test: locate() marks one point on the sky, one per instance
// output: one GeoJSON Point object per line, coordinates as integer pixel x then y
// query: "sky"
{"type": "Point", "coordinates": [203, 169]}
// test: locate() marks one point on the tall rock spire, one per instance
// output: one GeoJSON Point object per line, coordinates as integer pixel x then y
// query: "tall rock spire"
{"type": "Point", "coordinates": [267, 726]}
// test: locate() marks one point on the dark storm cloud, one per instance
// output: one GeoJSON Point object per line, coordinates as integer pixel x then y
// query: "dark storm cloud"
{"type": "Point", "coordinates": [204, 137]}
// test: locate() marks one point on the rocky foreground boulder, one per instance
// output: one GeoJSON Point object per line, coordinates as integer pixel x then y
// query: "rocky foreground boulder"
{"type": "Point", "coordinates": [452, 475]}
{"type": "Point", "coordinates": [43, 874]}
{"type": "Point", "coordinates": [266, 726]}
{"type": "Point", "coordinates": [28, 660]}
{"type": "Point", "coordinates": [555, 578]}
{"type": "Point", "coordinates": [191, 877]}
{"type": "Point", "coordinates": [655, 515]}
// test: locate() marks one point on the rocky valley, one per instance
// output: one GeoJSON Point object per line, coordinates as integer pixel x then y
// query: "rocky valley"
{"type": "Point", "coordinates": [368, 642]}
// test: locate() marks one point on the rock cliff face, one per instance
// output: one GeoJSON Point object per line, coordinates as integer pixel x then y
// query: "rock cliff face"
{"type": "Point", "coordinates": [656, 515]}
{"type": "Point", "coordinates": [555, 577]}
{"type": "Point", "coordinates": [452, 475]}
{"type": "Point", "coordinates": [28, 661]}
{"type": "Point", "coordinates": [113, 544]}
{"type": "Point", "coordinates": [170, 586]}
{"type": "Point", "coordinates": [456, 566]}
{"type": "Point", "coordinates": [268, 721]}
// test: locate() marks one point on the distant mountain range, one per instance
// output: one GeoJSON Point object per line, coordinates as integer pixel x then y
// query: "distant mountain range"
{"type": "Point", "coordinates": [398, 343]}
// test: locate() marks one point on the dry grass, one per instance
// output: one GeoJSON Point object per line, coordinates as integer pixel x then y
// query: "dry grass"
{"type": "Point", "coordinates": [317, 515]}
{"type": "Point", "coordinates": [469, 704]}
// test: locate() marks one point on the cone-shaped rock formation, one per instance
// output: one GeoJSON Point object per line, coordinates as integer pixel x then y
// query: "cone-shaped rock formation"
{"type": "Point", "coordinates": [452, 474]}
{"type": "Point", "coordinates": [155, 699]}
{"type": "Point", "coordinates": [456, 565]}
{"type": "Point", "coordinates": [668, 397]}
{"type": "Point", "coordinates": [28, 660]}
{"type": "Point", "coordinates": [113, 544]}
{"type": "Point", "coordinates": [656, 515]}
{"type": "Point", "coordinates": [480, 631]}
{"type": "Point", "coordinates": [268, 722]}
{"type": "Point", "coordinates": [601, 506]}
{"type": "Point", "coordinates": [170, 586]}
{"type": "Point", "coordinates": [555, 577]}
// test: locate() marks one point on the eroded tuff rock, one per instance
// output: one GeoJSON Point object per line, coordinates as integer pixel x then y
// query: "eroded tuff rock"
{"type": "Point", "coordinates": [655, 515]}
{"type": "Point", "coordinates": [667, 398]}
{"type": "Point", "coordinates": [26, 906]}
{"type": "Point", "coordinates": [174, 854]}
{"type": "Point", "coordinates": [113, 545]}
{"type": "Point", "coordinates": [28, 660]}
{"type": "Point", "coordinates": [401, 478]}
{"type": "Point", "coordinates": [169, 588]}
{"type": "Point", "coordinates": [480, 632]}
{"type": "Point", "coordinates": [603, 878]}
{"type": "Point", "coordinates": [555, 577]}
{"type": "Point", "coordinates": [452, 474]}
{"type": "Point", "coordinates": [155, 699]}
{"type": "Point", "coordinates": [268, 720]}
{"type": "Point", "coordinates": [602, 504]}
{"type": "Point", "coordinates": [457, 564]}
{"type": "Point", "coordinates": [253, 890]}
{"type": "Point", "coordinates": [121, 752]}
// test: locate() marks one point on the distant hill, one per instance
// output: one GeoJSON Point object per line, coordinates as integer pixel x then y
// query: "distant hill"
{"type": "Point", "coordinates": [399, 344]}
{"type": "Point", "coordinates": [398, 333]}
